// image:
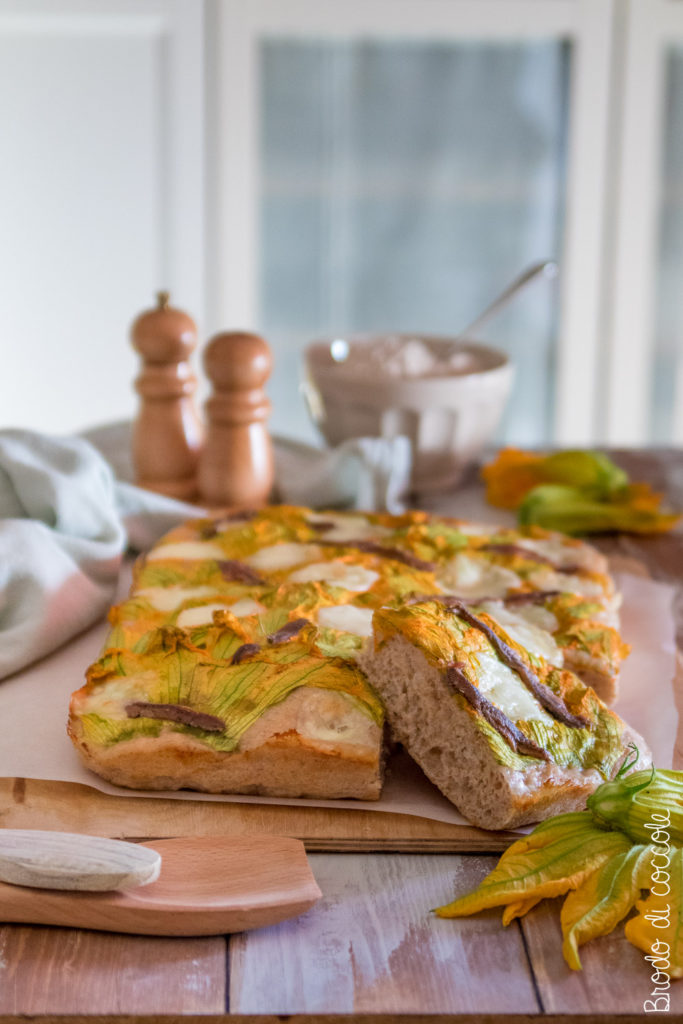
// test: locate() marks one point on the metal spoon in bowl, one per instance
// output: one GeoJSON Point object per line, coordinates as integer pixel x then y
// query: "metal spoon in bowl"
{"type": "Point", "coordinates": [548, 268]}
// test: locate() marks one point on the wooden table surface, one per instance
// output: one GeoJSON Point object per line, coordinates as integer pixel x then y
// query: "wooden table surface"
{"type": "Point", "coordinates": [370, 946]}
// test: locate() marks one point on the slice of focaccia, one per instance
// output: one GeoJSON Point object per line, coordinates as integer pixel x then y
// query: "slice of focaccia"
{"type": "Point", "coordinates": [506, 735]}
{"type": "Point", "coordinates": [230, 667]}
{"type": "Point", "coordinates": [233, 664]}
{"type": "Point", "coordinates": [220, 709]}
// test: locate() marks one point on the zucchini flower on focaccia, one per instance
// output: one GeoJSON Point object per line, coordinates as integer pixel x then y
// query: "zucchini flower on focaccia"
{"type": "Point", "coordinates": [507, 736]}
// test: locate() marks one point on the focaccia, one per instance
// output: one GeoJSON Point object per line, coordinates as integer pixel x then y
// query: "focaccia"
{"type": "Point", "coordinates": [505, 734]}
{"type": "Point", "coordinates": [233, 666]}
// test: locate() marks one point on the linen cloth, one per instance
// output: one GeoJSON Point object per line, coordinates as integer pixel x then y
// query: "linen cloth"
{"type": "Point", "coordinates": [65, 523]}
{"type": "Point", "coordinates": [67, 518]}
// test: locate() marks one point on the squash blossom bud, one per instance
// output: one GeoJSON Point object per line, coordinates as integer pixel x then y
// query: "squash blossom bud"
{"type": "Point", "coordinates": [647, 806]}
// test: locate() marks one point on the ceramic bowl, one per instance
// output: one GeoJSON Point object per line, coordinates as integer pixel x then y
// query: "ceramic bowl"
{"type": "Point", "coordinates": [446, 396]}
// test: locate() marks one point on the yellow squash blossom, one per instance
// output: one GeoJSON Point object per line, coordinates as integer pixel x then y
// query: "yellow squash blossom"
{"type": "Point", "coordinates": [510, 476]}
{"type": "Point", "coordinates": [598, 860]}
{"type": "Point", "coordinates": [572, 850]}
{"type": "Point", "coordinates": [602, 901]}
{"type": "Point", "coordinates": [573, 491]}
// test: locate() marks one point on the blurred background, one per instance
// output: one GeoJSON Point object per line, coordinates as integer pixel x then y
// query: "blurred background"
{"type": "Point", "coordinates": [307, 168]}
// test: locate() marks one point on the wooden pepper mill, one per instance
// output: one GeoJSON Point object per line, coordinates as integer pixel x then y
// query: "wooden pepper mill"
{"type": "Point", "coordinates": [167, 434]}
{"type": "Point", "coordinates": [236, 464]}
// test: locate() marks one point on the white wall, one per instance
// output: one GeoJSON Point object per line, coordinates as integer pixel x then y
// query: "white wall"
{"type": "Point", "coordinates": [100, 120]}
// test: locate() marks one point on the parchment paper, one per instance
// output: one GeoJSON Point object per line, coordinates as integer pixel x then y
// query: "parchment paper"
{"type": "Point", "coordinates": [33, 711]}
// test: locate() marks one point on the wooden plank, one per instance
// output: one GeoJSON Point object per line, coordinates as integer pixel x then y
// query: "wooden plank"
{"type": "Point", "coordinates": [615, 975]}
{"type": "Point", "coordinates": [31, 803]}
{"type": "Point", "coordinates": [66, 971]}
{"type": "Point", "coordinates": [371, 945]}
{"type": "Point", "coordinates": [330, 1018]}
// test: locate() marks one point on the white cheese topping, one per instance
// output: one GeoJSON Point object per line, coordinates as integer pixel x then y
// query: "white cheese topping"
{"type": "Point", "coordinates": [110, 700]}
{"type": "Point", "coordinates": [348, 527]}
{"type": "Point", "coordinates": [245, 607]}
{"type": "Point", "coordinates": [222, 525]}
{"type": "Point", "coordinates": [187, 549]}
{"type": "Point", "coordinates": [324, 716]}
{"type": "Point", "coordinates": [472, 577]}
{"type": "Point", "coordinates": [504, 688]}
{"type": "Point", "coordinates": [559, 551]}
{"type": "Point", "coordinates": [347, 618]}
{"type": "Point", "coordinates": [339, 574]}
{"type": "Point", "coordinates": [333, 718]}
{"type": "Point", "coordinates": [283, 556]}
{"type": "Point", "coordinates": [527, 634]}
{"type": "Point", "coordinates": [478, 529]}
{"type": "Point", "coordinates": [609, 615]}
{"type": "Point", "coordinates": [167, 599]}
{"type": "Point", "coordinates": [537, 615]}
{"type": "Point", "coordinates": [202, 615]}
{"type": "Point", "coordinates": [548, 579]}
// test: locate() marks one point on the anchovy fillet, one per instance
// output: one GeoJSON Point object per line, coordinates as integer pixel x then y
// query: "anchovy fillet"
{"type": "Point", "coordinates": [513, 736]}
{"type": "Point", "coordinates": [175, 713]}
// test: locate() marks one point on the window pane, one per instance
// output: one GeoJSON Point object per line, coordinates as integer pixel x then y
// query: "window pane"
{"type": "Point", "coordinates": [403, 186]}
{"type": "Point", "coordinates": [669, 307]}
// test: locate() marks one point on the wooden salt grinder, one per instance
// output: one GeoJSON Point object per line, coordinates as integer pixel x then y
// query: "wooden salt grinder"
{"type": "Point", "coordinates": [236, 464]}
{"type": "Point", "coordinates": [167, 434]}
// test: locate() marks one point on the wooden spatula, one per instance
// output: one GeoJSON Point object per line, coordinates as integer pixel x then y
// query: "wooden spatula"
{"type": "Point", "coordinates": [207, 886]}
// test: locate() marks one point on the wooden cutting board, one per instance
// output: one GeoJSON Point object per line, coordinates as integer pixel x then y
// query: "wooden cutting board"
{"type": "Point", "coordinates": [30, 803]}
{"type": "Point", "coordinates": [207, 886]}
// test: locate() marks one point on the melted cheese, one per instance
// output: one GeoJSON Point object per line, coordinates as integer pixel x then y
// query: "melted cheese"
{"type": "Point", "coordinates": [202, 615]}
{"type": "Point", "coordinates": [348, 527]}
{"type": "Point", "coordinates": [539, 616]}
{"type": "Point", "coordinates": [559, 551]}
{"type": "Point", "coordinates": [477, 529]}
{"type": "Point", "coordinates": [110, 700]}
{"type": "Point", "coordinates": [223, 525]}
{"type": "Point", "coordinates": [339, 574]}
{"type": "Point", "coordinates": [347, 618]}
{"type": "Point", "coordinates": [198, 550]}
{"type": "Point", "coordinates": [526, 633]}
{"type": "Point", "coordinates": [283, 556]}
{"type": "Point", "coordinates": [548, 579]}
{"type": "Point", "coordinates": [333, 718]}
{"type": "Point", "coordinates": [167, 599]}
{"type": "Point", "coordinates": [323, 716]}
{"type": "Point", "coordinates": [472, 577]}
{"type": "Point", "coordinates": [504, 688]}
{"type": "Point", "coordinates": [245, 607]}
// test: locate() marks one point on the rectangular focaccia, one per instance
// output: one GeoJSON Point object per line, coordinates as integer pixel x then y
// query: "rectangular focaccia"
{"type": "Point", "coordinates": [233, 666]}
